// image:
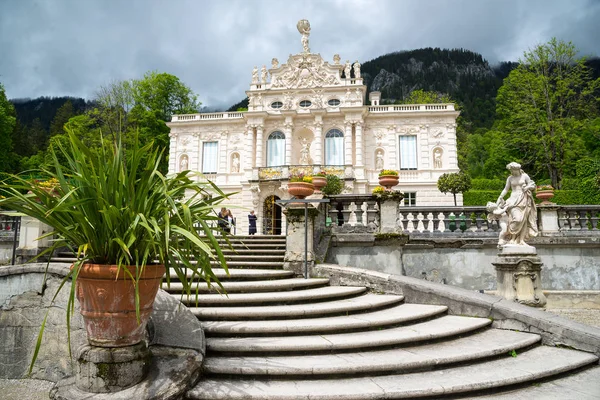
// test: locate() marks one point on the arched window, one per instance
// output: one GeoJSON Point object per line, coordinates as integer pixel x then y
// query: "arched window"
{"type": "Point", "coordinates": [276, 149]}
{"type": "Point", "coordinates": [334, 147]}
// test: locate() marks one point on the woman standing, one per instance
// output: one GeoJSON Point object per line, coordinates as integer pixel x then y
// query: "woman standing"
{"type": "Point", "coordinates": [230, 222]}
{"type": "Point", "coordinates": [251, 223]}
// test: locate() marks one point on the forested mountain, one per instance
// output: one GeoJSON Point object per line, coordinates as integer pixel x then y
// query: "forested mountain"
{"type": "Point", "coordinates": [44, 109]}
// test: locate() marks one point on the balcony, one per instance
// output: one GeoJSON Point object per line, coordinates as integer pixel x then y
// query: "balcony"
{"type": "Point", "coordinates": [206, 116]}
{"type": "Point", "coordinates": [411, 108]}
{"type": "Point", "coordinates": [283, 172]}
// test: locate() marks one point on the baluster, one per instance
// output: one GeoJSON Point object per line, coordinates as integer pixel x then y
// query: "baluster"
{"type": "Point", "coordinates": [563, 221]}
{"type": "Point", "coordinates": [583, 220]}
{"type": "Point", "coordinates": [573, 220]}
{"type": "Point", "coordinates": [478, 222]}
{"type": "Point", "coordinates": [440, 225]}
{"type": "Point", "coordinates": [420, 225]}
{"type": "Point", "coordinates": [430, 227]}
{"type": "Point", "coordinates": [410, 219]}
{"type": "Point", "coordinates": [364, 217]}
{"type": "Point", "coordinates": [594, 218]}
{"type": "Point", "coordinates": [352, 217]}
{"type": "Point", "coordinates": [401, 221]}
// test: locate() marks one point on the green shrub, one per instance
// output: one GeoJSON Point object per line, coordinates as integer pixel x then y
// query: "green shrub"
{"type": "Point", "coordinates": [487, 184]}
{"type": "Point", "coordinates": [480, 197]}
{"type": "Point", "coordinates": [334, 186]}
{"type": "Point", "coordinates": [567, 197]}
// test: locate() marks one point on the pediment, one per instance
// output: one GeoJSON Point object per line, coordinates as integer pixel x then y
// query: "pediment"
{"type": "Point", "coordinates": [305, 71]}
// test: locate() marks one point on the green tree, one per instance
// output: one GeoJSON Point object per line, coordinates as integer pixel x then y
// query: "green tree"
{"type": "Point", "coordinates": [542, 106]}
{"type": "Point", "coordinates": [63, 114]}
{"type": "Point", "coordinates": [457, 182]}
{"type": "Point", "coordinates": [7, 125]}
{"type": "Point", "coordinates": [165, 94]}
{"type": "Point", "coordinates": [421, 96]}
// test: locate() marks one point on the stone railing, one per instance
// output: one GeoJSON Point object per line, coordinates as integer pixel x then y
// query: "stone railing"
{"type": "Point", "coordinates": [8, 225]}
{"type": "Point", "coordinates": [205, 116]}
{"type": "Point", "coordinates": [347, 212]}
{"type": "Point", "coordinates": [411, 108]}
{"type": "Point", "coordinates": [283, 172]}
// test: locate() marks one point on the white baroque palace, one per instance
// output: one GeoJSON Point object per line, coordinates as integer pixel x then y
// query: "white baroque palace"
{"type": "Point", "coordinates": [309, 115]}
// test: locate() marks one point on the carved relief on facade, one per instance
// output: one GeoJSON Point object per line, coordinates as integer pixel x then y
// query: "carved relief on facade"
{"type": "Point", "coordinates": [437, 133]}
{"type": "Point", "coordinates": [184, 162]}
{"type": "Point", "coordinates": [235, 163]}
{"type": "Point", "coordinates": [379, 159]}
{"type": "Point", "coordinates": [305, 71]}
{"type": "Point", "coordinates": [438, 153]}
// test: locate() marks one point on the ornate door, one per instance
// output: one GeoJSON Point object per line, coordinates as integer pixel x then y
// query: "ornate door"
{"type": "Point", "coordinates": [271, 217]}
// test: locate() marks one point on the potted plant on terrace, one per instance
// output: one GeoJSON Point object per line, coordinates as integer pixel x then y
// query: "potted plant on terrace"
{"type": "Point", "coordinates": [319, 180]}
{"type": "Point", "coordinates": [544, 193]}
{"type": "Point", "coordinates": [128, 224]}
{"type": "Point", "coordinates": [300, 185]}
{"type": "Point", "coordinates": [388, 178]}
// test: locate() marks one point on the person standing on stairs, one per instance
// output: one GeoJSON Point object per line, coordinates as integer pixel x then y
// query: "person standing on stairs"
{"type": "Point", "coordinates": [222, 222]}
{"type": "Point", "coordinates": [251, 223]}
{"type": "Point", "coordinates": [230, 222]}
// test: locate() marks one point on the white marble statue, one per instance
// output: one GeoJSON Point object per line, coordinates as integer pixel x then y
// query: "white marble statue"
{"type": "Point", "coordinates": [183, 163]}
{"type": "Point", "coordinates": [255, 75]}
{"type": "Point", "coordinates": [235, 164]}
{"type": "Point", "coordinates": [305, 151]}
{"type": "Point", "coordinates": [496, 213]}
{"type": "Point", "coordinates": [263, 74]}
{"type": "Point", "coordinates": [437, 158]}
{"type": "Point", "coordinates": [379, 160]}
{"type": "Point", "coordinates": [336, 59]}
{"type": "Point", "coordinates": [347, 69]}
{"type": "Point", "coordinates": [519, 207]}
{"type": "Point", "coordinates": [274, 63]}
{"type": "Point", "coordinates": [356, 68]}
{"type": "Point", "coordinates": [304, 29]}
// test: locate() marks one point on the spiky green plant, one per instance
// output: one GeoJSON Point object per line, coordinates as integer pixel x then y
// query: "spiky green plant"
{"type": "Point", "coordinates": [115, 207]}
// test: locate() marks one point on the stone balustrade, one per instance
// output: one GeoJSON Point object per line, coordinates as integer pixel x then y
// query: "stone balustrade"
{"type": "Point", "coordinates": [411, 108]}
{"type": "Point", "coordinates": [284, 171]}
{"type": "Point", "coordinates": [351, 211]}
{"type": "Point", "coordinates": [205, 116]}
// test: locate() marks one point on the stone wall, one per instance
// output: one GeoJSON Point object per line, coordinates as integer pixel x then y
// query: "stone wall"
{"type": "Point", "coordinates": [569, 263]}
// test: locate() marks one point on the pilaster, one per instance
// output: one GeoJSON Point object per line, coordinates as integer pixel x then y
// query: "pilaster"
{"type": "Point", "coordinates": [259, 146]}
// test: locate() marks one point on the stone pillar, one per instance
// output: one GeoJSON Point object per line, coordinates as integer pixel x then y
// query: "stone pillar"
{"type": "Point", "coordinates": [518, 272]}
{"type": "Point", "coordinates": [359, 144]}
{"type": "Point", "coordinates": [388, 212]}
{"type": "Point", "coordinates": [318, 143]}
{"type": "Point", "coordinates": [248, 163]}
{"type": "Point", "coordinates": [259, 147]}
{"type": "Point", "coordinates": [295, 240]}
{"type": "Point", "coordinates": [548, 218]}
{"type": "Point", "coordinates": [348, 144]}
{"type": "Point", "coordinates": [288, 142]}
{"type": "Point", "coordinates": [31, 230]}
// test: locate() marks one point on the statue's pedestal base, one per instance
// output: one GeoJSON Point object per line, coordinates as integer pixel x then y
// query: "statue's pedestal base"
{"type": "Point", "coordinates": [111, 369]}
{"type": "Point", "coordinates": [518, 271]}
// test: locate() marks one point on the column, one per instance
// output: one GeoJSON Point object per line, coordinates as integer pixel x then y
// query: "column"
{"type": "Point", "coordinates": [359, 144]}
{"type": "Point", "coordinates": [348, 144]}
{"type": "Point", "coordinates": [248, 156]}
{"type": "Point", "coordinates": [259, 146]}
{"type": "Point", "coordinates": [288, 126]}
{"type": "Point", "coordinates": [318, 143]}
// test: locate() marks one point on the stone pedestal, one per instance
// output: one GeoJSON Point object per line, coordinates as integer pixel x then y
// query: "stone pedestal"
{"type": "Point", "coordinates": [548, 215]}
{"type": "Point", "coordinates": [295, 239]}
{"type": "Point", "coordinates": [518, 271]}
{"type": "Point", "coordinates": [388, 215]}
{"type": "Point", "coordinates": [111, 369]}
{"type": "Point", "coordinates": [29, 245]}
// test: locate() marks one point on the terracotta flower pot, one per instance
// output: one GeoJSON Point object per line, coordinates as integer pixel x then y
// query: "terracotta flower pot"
{"type": "Point", "coordinates": [544, 195]}
{"type": "Point", "coordinates": [388, 181]}
{"type": "Point", "coordinates": [300, 189]}
{"type": "Point", "coordinates": [108, 302]}
{"type": "Point", "coordinates": [319, 182]}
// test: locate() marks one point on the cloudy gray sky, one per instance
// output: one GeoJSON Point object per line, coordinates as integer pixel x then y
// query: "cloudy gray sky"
{"type": "Point", "coordinates": [71, 47]}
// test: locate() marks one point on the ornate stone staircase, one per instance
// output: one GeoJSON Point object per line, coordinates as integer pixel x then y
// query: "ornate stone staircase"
{"type": "Point", "coordinates": [274, 336]}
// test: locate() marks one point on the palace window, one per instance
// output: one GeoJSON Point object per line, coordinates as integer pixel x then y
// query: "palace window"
{"type": "Point", "coordinates": [408, 152]}
{"type": "Point", "coordinates": [305, 103]}
{"type": "Point", "coordinates": [334, 147]}
{"type": "Point", "coordinates": [334, 102]}
{"type": "Point", "coordinates": [209, 157]}
{"type": "Point", "coordinates": [410, 199]}
{"type": "Point", "coordinates": [276, 149]}
{"type": "Point", "coordinates": [276, 104]}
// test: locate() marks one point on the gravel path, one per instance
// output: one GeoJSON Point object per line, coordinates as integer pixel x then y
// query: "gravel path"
{"type": "Point", "coordinates": [24, 389]}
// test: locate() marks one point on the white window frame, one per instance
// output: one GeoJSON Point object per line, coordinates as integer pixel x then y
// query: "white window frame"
{"type": "Point", "coordinates": [410, 199]}
{"type": "Point", "coordinates": [276, 149]}
{"type": "Point", "coordinates": [210, 157]}
{"type": "Point", "coordinates": [333, 143]}
{"type": "Point", "coordinates": [407, 152]}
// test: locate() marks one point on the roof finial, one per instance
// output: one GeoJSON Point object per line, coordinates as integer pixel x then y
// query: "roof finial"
{"type": "Point", "coordinates": [304, 29]}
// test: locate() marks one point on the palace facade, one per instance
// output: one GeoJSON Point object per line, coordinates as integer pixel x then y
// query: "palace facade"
{"type": "Point", "coordinates": [308, 115]}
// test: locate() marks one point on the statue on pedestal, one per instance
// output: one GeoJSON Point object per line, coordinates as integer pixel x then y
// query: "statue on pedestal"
{"type": "Point", "coordinates": [347, 69]}
{"type": "Point", "coordinates": [255, 75]}
{"type": "Point", "coordinates": [263, 74]}
{"type": "Point", "coordinates": [304, 29]}
{"type": "Point", "coordinates": [305, 151]}
{"type": "Point", "coordinates": [356, 68]}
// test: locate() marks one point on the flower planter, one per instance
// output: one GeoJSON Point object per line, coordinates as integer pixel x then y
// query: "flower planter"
{"type": "Point", "coordinates": [319, 182]}
{"type": "Point", "coordinates": [300, 189]}
{"type": "Point", "coordinates": [544, 195]}
{"type": "Point", "coordinates": [108, 302]}
{"type": "Point", "coordinates": [388, 181]}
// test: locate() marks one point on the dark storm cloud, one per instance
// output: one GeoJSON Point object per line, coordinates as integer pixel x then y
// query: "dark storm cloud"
{"type": "Point", "coordinates": [71, 47]}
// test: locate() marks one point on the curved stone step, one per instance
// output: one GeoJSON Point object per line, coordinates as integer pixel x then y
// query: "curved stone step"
{"type": "Point", "coordinates": [489, 343]}
{"type": "Point", "coordinates": [254, 286]}
{"type": "Point", "coordinates": [447, 326]}
{"type": "Point", "coordinates": [339, 306]}
{"type": "Point", "coordinates": [250, 274]}
{"type": "Point", "coordinates": [396, 315]}
{"type": "Point", "coordinates": [537, 363]}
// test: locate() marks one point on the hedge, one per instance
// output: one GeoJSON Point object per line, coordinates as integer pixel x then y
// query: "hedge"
{"type": "Point", "coordinates": [561, 197]}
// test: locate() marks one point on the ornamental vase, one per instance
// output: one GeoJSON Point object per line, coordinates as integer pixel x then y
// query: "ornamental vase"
{"type": "Point", "coordinates": [300, 189]}
{"type": "Point", "coordinates": [544, 195]}
{"type": "Point", "coordinates": [388, 181]}
{"type": "Point", "coordinates": [319, 182]}
{"type": "Point", "coordinates": [107, 294]}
